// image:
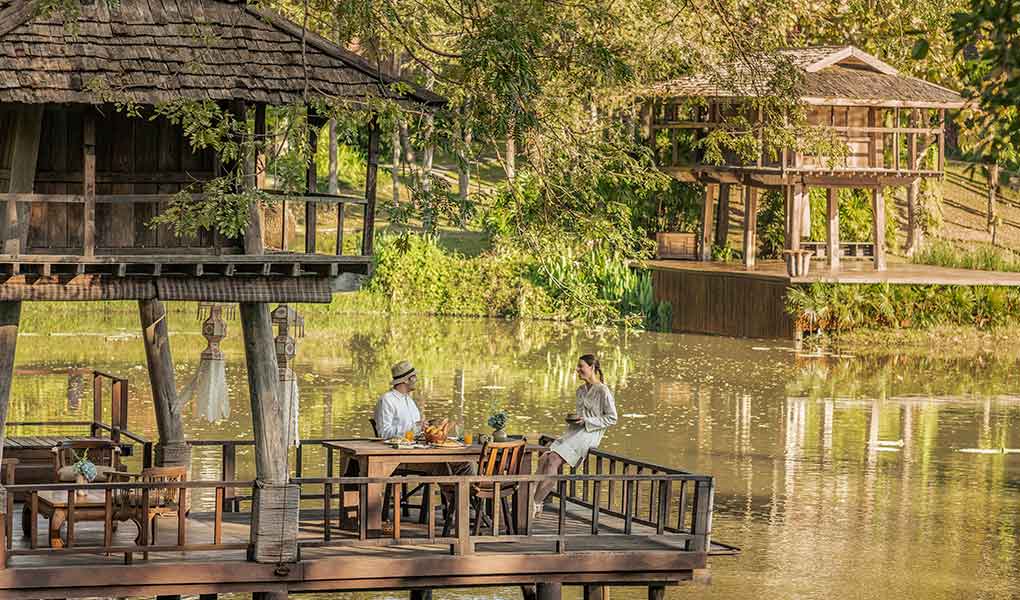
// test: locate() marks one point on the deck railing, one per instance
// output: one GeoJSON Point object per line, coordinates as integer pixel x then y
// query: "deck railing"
{"type": "Point", "coordinates": [693, 529]}
{"type": "Point", "coordinates": [113, 237]}
{"type": "Point", "coordinates": [116, 507]}
{"type": "Point", "coordinates": [228, 463]}
{"type": "Point", "coordinates": [109, 390]}
{"type": "Point", "coordinates": [874, 148]}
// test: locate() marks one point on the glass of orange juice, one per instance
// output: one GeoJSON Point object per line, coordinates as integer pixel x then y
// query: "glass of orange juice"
{"type": "Point", "coordinates": [409, 435]}
{"type": "Point", "coordinates": [468, 439]}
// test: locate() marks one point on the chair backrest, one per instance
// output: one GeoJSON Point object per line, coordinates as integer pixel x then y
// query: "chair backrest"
{"type": "Point", "coordinates": [162, 496]}
{"type": "Point", "coordinates": [100, 452]}
{"type": "Point", "coordinates": [375, 429]}
{"type": "Point", "coordinates": [501, 458]}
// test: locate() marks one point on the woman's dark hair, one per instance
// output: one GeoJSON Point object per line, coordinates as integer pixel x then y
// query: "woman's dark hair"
{"type": "Point", "coordinates": [593, 362]}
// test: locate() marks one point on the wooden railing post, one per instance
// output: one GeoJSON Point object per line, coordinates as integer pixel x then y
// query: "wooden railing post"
{"type": "Point", "coordinates": [89, 183]}
{"type": "Point", "coordinates": [464, 544]}
{"type": "Point", "coordinates": [228, 472]}
{"type": "Point", "coordinates": [97, 402]}
{"type": "Point", "coordinates": [701, 527]}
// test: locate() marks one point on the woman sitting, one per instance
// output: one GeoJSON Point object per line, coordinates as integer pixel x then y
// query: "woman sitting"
{"type": "Point", "coordinates": [596, 411]}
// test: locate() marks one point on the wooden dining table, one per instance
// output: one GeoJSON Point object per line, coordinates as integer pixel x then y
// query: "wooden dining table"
{"type": "Point", "coordinates": [376, 458]}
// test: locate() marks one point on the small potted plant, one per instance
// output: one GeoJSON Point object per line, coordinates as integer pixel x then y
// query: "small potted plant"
{"type": "Point", "coordinates": [497, 421]}
{"type": "Point", "coordinates": [85, 470]}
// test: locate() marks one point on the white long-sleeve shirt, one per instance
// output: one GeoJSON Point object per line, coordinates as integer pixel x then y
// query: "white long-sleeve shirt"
{"type": "Point", "coordinates": [396, 414]}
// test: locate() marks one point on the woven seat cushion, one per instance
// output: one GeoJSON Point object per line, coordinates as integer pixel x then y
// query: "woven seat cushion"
{"type": "Point", "coordinates": [69, 475]}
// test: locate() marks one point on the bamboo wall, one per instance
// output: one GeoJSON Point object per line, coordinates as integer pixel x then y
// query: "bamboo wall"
{"type": "Point", "coordinates": [731, 304]}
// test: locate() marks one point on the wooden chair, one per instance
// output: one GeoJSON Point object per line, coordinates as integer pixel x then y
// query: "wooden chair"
{"type": "Point", "coordinates": [8, 467]}
{"type": "Point", "coordinates": [105, 454]}
{"type": "Point", "coordinates": [162, 502]}
{"type": "Point", "coordinates": [495, 459]}
{"type": "Point", "coordinates": [405, 494]}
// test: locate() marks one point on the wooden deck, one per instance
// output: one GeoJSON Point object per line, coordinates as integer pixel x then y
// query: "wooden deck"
{"type": "Point", "coordinates": [640, 558]}
{"type": "Point", "coordinates": [851, 272]}
{"type": "Point", "coordinates": [718, 298]}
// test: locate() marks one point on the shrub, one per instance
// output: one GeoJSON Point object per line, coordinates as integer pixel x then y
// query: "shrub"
{"type": "Point", "coordinates": [835, 308]}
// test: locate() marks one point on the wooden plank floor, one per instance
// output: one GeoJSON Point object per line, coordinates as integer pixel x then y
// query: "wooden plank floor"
{"type": "Point", "coordinates": [236, 530]}
{"type": "Point", "coordinates": [857, 271]}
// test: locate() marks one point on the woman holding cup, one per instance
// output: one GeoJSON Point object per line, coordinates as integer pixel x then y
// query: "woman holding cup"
{"type": "Point", "coordinates": [595, 412]}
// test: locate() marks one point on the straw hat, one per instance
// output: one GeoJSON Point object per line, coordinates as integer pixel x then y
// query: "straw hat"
{"type": "Point", "coordinates": [402, 371]}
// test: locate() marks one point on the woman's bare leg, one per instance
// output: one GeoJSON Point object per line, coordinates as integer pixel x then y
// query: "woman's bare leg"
{"type": "Point", "coordinates": [549, 464]}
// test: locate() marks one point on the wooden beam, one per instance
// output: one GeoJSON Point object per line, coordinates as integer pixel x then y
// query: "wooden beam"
{"type": "Point", "coordinates": [10, 318]}
{"type": "Point", "coordinates": [832, 231]}
{"type": "Point", "coordinates": [707, 204]}
{"type": "Point", "coordinates": [371, 180]}
{"type": "Point", "coordinates": [268, 412]}
{"type": "Point", "coordinates": [878, 227]}
{"type": "Point", "coordinates": [89, 182]}
{"type": "Point", "coordinates": [25, 146]}
{"type": "Point", "coordinates": [172, 449]}
{"type": "Point", "coordinates": [722, 224]}
{"type": "Point", "coordinates": [750, 226]}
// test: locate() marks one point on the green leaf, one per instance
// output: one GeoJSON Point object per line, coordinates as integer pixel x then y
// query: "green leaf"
{"type": "Point", "coordinates": [920, 50]}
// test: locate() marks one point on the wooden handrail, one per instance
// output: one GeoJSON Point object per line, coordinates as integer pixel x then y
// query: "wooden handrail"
{"type": "Point", "coordinates": [695, 537]}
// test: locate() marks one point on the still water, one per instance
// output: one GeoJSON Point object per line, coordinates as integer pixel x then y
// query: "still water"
{"type": "Point", "coordinates": [839, 477]}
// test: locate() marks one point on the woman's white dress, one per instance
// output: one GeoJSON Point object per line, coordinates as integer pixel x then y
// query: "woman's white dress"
{"type": "Point", "coordinates": [597, 410]}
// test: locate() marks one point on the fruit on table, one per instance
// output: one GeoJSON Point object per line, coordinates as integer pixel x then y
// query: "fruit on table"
{"type": "Point", "coordinates": [436, 432]}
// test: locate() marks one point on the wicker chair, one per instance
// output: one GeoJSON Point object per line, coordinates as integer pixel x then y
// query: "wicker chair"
{"type": "Point", "coordinates": [163, 502]}
{"type": "Point", "coordinates": [105, 454]}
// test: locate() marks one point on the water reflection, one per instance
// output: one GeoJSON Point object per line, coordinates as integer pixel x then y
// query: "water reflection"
{"type": "Point", "coordinates": [840, 477]}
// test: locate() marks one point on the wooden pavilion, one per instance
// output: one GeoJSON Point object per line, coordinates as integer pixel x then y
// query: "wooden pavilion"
{"type": "Point", "coordinates": [81, 181]}
{"type": "Point", "coordinates": [892, 125]}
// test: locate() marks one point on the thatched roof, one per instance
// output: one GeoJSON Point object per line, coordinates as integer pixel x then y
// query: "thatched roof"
{"type": "Point", "coordinates": [829, 75]}
{"type": "Point", "coordinates": [157, 50]}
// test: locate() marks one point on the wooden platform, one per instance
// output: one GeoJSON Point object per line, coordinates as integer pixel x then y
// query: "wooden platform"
{"type": "Point", "coordinates": [726, 299]}
{"type": "Point", "coordinates": [636, 559]}
{"type": "Point", "coordinates": [861, 272]}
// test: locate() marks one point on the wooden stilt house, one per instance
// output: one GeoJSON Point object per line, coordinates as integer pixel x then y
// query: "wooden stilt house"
{"type": "Point", "coordinates": [892, 127]}
{"type": "Point", "coordinates": [81, 180]}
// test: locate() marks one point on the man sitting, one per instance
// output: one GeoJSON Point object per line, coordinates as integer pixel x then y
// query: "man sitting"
{"type": "Point", "coordinates": [395, 412]}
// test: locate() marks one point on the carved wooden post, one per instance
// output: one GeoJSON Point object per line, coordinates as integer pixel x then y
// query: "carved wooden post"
{"type": "Point", "coordinates": [832, 208]}
{"type": "Point", "coordinates": [878, 227]}
{"type": "Point", "coordinates": [750, 225]}
{"type": "Point", "coordinates": [311, 182]}
{"type": "Point", "coordinates": [275, 502]}
{"type": "Point", "coordinates": [254, 171]}
{"type": "Point", "coordinates": [27, 128]}
{"type": "Point", "coordinates": [172, 449]}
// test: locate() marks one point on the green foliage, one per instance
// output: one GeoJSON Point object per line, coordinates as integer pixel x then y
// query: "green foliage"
{"type": "Point", "coordinates": [944, 253]}
{"type": "Point", "coordinates": [771, 225]}
{"type": "Point", "coordinates": [498, 420]}
{"type": "Point", "coordinates": [414, 274]}
{"type": "Point", "coordinates": [839, 308]}
{"type": "Point", "coordinates": [988, 33]}
{"type": "Point", "coordinates": [856, 216]}
{"type": "Point", "coordinates": [675, 209]}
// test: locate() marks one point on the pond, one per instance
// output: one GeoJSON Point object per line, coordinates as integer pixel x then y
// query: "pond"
{"type": "Point", "coordinates": [837, 476]}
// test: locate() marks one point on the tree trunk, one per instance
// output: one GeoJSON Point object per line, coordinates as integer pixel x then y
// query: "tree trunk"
{"type": "Point", "coordinates": [405, 143]}
{"type": "Point", "coordinates": [464, 166]}
{"type": "Point", "coordinates": [395, 167]}
{"type": "Point", "coordinates": [334, 185]}
{"type": "Point", "coordinates": [511, 157]}
{"type": "Point", "coordinates": [993, 188]}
